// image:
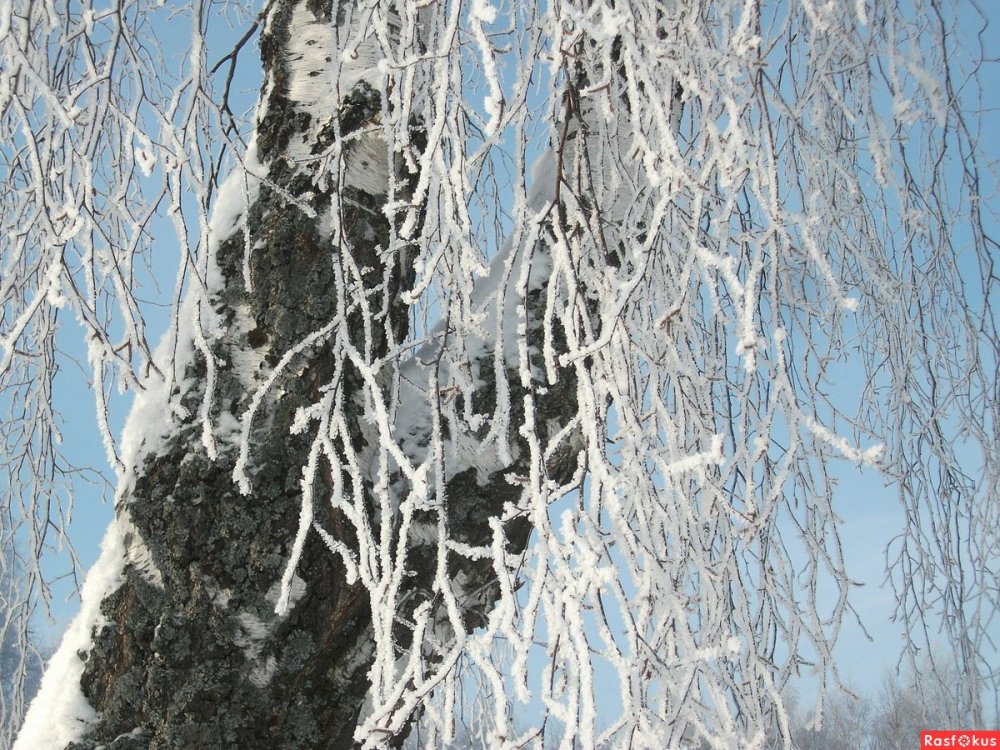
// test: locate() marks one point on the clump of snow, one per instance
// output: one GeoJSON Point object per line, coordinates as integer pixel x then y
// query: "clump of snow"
{"type": "Point", "coordinates": [483, 11]}
{"type": "Point", "coordinates": [53, 294]}
{"type": "Point", "coordinates": [157, 410]}
{"type": "Point", "coordinates": [59, 714]}
{"type": "Point", "coordinates": [145, 158]}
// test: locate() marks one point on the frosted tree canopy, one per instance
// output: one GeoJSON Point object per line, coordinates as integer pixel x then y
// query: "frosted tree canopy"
{"type": "Point", "coordinates": [648, 271]}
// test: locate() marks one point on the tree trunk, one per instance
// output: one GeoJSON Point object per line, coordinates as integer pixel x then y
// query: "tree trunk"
{"type": "Point", "coordinates": [191, 652]}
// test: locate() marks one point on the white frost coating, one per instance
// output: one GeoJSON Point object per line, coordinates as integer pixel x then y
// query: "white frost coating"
{"type": "Point", "coordinates": [59, 714]}
{"type": "Point", "coordinates": [691, 272]}
{"type": "Point", "coordinates": [155, 413]}
{"type": "Point", "coordinates": [869, 455]}
{"type": "Point", "coordinates": [484, 13]}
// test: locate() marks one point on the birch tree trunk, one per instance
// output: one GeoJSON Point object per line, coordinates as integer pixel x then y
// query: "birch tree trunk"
{"type": "Point", "coordinates": [187, 650]}
{"type": "Point", "coordinates": [330, 476]}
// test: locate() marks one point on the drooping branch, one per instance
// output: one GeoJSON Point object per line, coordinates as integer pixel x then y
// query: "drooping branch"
{"type": "Point", "coordinates": [224, 625]}
{"type": "Point", "coordinates": [372, 457]}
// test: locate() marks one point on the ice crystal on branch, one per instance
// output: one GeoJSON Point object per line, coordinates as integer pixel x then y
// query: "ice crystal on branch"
{"type": "Point", "coordinates": [578, 415]}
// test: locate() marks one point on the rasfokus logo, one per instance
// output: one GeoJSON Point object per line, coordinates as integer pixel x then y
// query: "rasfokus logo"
{"type": "Point", "coordinates": [960, 738]}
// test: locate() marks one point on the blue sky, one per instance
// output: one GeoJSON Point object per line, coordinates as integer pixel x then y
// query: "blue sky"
{"type": "Point", "coordinates": [870, 511]}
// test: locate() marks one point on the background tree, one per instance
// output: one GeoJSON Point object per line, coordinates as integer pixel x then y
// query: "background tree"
{"type": "Point", "coordinates": [847, 723]}
{"type": "Point", "coordinates": [20, 650]}
{"type": "Point", "coordinates": [417, 398]}
{"type": "Point", "coordinates": [921, 698]}
{"type": "Point", "coordinates": [908, 702]}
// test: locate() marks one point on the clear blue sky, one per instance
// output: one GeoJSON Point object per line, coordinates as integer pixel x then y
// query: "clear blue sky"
{"type": "Point", "coordinates": [870, 511]}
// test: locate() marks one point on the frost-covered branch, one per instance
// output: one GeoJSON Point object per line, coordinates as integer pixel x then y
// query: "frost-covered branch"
{"type": "Point", "coordinates": [102, 135]}
{"type": "Point", "coordinates": [421, 404]}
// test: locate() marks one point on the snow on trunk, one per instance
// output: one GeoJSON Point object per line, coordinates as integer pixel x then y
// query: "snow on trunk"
{"type": "Point", "coordinates": [269, 558]}
{"type": "Point", "coordinates": [178, 640]}
{"type": "Point", "coordinates": [327, 499]}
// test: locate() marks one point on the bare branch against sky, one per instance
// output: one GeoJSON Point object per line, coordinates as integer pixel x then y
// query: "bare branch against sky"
{"type": "Point", "coordinates": [505, 338]}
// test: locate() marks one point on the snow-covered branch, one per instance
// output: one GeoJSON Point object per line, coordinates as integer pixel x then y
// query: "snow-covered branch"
{"type": "Point", "coordinates": [422, 404]}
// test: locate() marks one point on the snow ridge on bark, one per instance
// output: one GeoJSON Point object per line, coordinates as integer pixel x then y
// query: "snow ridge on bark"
{"type": "Point", "coordinates": [605, 451]}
